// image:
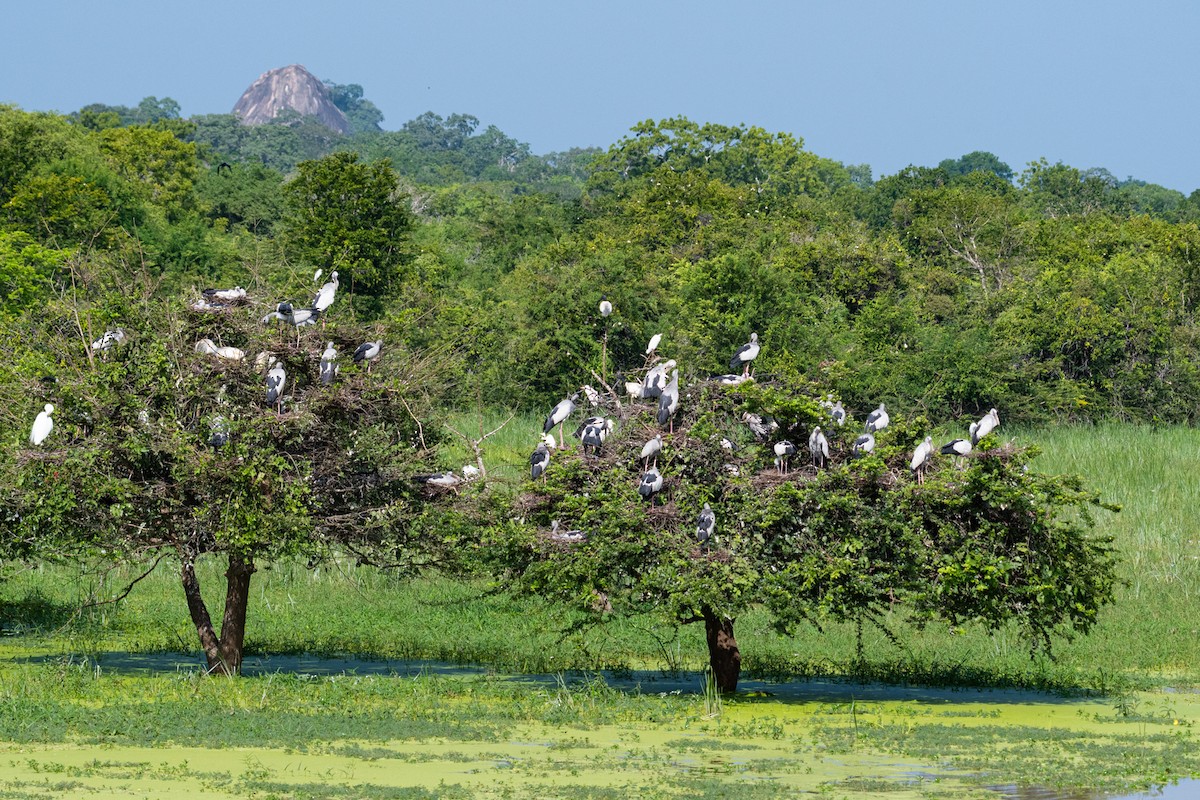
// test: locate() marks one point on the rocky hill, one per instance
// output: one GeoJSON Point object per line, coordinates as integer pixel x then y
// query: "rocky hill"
{"type": "Point", "coordinates": [292, 87]}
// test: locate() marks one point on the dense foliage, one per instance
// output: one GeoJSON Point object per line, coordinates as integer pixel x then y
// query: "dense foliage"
{"type": "Point", "coordinates": [1052, 292]}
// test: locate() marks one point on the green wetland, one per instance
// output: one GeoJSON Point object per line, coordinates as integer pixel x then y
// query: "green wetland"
{"type": "Point", "coordinates": [361, 684]}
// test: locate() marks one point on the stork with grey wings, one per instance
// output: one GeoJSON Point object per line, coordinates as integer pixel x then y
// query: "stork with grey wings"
{"type": "Point", "coordinates": [559, 415]}
{"type": "Point", "coordinates": [706, 525]}
{"type": "Point", "coordinates": [368, 352]}
{"type": "Point", "coordinates": [668, 401]}
{"type": "Point", "coordinates": [986, 425]}
{"type": "Point", "coordinates": [878, 419]}
{"type": "Point", "coordinates": [744, 355]}
{"type": "Point", "coordinates": [539, 461]}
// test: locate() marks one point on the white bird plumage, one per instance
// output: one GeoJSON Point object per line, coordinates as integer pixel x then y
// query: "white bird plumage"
{"type": "Point", "coordinates": [922, 456]}
{"type": "Point", "coordinates": [878, 419]}
{"type": "Point", "coordinates": [783, 451]}
{"type": "Point", "coordinates": [668, 401]}
{"type": "Point", "coordinates": [986, 425]}
{"type": "Point", "coordinates": [654, 340]}
{"type": "Point", "coordinates": [368, 352]}
{"type": "Point", "coordinates": [276, 380]}
{"type": "Point", "coordinates": [706, 525]}
{"type": "Point", "coordinates": [42, 425]}
{"type": "Point", "coordinates": [651, 449]}
{"type": "Point", "coordinates": [818, 446]}
{"type": "Point", "coordinates": [325, 294]}
{"type": "Point", "coordinates": [745, 354]}
{"type": "Point", "coordinates": [329, 367]}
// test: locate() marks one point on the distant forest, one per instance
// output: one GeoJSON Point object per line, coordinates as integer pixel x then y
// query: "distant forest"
{"type": "Point", "coordinates": [1049, 291]}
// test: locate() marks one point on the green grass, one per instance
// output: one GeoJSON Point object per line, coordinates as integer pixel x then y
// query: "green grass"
{"type": "Point", "coordinates": [1148, 638]}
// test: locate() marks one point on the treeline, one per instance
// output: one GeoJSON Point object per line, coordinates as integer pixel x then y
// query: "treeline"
{"type": "Point", "coordinates": [1052, 293]}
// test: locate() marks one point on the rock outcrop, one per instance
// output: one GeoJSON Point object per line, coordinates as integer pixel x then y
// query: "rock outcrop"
{"type": "Point", "coordinates": [285, 88]}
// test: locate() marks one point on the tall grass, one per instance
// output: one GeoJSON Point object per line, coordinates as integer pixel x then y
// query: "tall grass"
{"type": "Point", "coordinates": [1148, 637]}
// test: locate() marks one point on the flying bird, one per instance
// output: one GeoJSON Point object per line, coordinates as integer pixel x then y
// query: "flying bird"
{"type": "Point", "coordinates": [921, 459]}
{"type": "Point", "coordinates": [329, 367]}
{"type": "Point", "coordinates": [368, 352]}
{"type": "Point", "coordinates": [706, 525]}
{"type": "Point", "coordinates": [745, 354]}
{"type": "Point", "coordinates": [878, 419]}
{"type": "Point", "coordinates": [539, 461]}
{"type": "Point", "coordinates": [818, 446]}
{"type": "Point", "coordinates": [42, 425]}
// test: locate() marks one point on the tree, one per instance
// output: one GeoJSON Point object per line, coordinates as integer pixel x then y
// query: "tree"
{"type": "Point", "coordinates": [363, 115]}
{"type": "Point", "coordinates": [977, 161]}
{"type": "Point", "coordinates": [349, 216]}
{"type": "Point", "coordinates": [990, 542]}
{"type": "Point", "coordinates": [162, 452]}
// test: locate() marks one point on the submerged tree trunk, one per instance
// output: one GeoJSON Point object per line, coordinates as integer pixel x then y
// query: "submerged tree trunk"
{"type": "Point", "coordinates": [723, 654]}
{"type": "Point", "coordinates": [223, 653]}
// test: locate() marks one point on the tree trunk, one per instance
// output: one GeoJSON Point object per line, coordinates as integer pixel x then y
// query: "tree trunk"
{"type": "Point", "coordinates": [224, 653]}
{"type": "Point", "coordinates": [723, 654]}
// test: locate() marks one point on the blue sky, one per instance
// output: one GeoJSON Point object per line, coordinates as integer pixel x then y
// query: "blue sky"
{"type": "Point", "coordinates": [1097, 84]}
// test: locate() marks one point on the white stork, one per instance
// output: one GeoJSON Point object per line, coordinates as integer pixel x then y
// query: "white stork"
{"type": "Point", "coordinates": [864, 444]}
{"type": "Point", "coordinates": [324, 298]}
{"type": "Point", "coordinates": [276, 380]}
{"type": "Point", "coordinates": [838, 413]}
{"type": "Point", "coordinates": [818, 446]}
{"type": "Point", "coordinates": [668, 401]}
{"type": "Point", "coordinates": [878, 419]}
{"type": "Point", "coordinates": [783, 451]}
{"type": "Point", "coordinates": [651, 449]}
{"type": "Point", "coordinates": [706, 525]}
{"type": "Point", "coordinates": [539, 461]}
{"type": "Point", "coordinates": [595, 434]}
{"type": "Point", "coordinates": [656, 378]}
{"type": "Point", "coordinates": [42, 425]}
{"type": "Point", "coordinates": [368, 352]}
{"type": "Point", "coordinates": [110, 338]}
{"type": "Point", "coordinates": [745, 354]}
{"type": "Point", "coordinates": [208, 347]}
{"type": "Point", "coordinates": [921, 459]}
{"type": "Point", "coordinates": [651, 482]}
{"type": "Point", "coordinates": [559, 414]}
{"type": "Point", "coordinates": [442, 480]}
{"type": "Point", "coordinates": [653, 345]}
{"type": "Point", "coordinates": [329, 367]}
{"type": "Point", "coordinates": [986, 425]}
